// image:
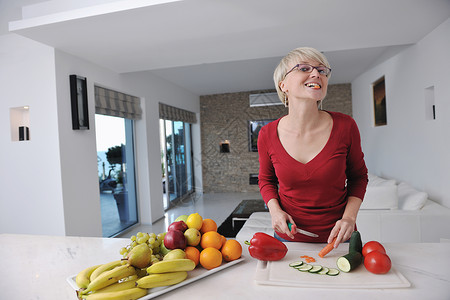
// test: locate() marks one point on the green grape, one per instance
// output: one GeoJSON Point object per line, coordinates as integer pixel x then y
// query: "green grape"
{"type": "Point", "coordinates": [141, 240]}
{"type": "Point", "coordinates": [146, 235]}
{"type": "Point", "coordinates": [161, 236]}
{"type": "Point", "coordinates": [139, 234]}
{"type": "Point", "coordinates": [157, 244]}
{"type": "Point", "coordinates": [123, 250]}
{"type": "Point", "coordinates": [133, 238]}
{"type": "Point", "coordinates": [153, 235]}
{"type": "Point", "coordinates": [151, 240]}
{"type": "Point", "coordinates": [133, 244]}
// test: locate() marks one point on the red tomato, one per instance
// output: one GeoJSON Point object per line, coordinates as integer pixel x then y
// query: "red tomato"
{"type": "Point", "coordinates": [372, 246]}
{"type": "Point", "coordinates": [377, 262]}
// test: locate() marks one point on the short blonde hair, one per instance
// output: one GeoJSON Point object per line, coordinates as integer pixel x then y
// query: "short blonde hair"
{"type": "Point", "coordinates": [295, 56]}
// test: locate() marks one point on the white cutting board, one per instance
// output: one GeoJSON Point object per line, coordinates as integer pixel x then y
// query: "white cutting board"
{"type": "Point", "coordinates": [280, 273]}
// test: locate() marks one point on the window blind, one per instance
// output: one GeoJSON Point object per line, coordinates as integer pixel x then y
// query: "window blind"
{"type": "Point", "coordinates": [172, 113]}
{"type": "Point", "coordinates": [117, 104]}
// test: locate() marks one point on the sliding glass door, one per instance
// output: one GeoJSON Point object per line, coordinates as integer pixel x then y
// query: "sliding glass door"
{"type": "Point", "coordinates": [176, 160]}
{"type": "Point", "coordinates": [115, 156]}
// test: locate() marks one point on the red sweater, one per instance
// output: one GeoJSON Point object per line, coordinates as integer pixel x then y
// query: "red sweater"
{"type": "Point", "coordinates": [314, 194]}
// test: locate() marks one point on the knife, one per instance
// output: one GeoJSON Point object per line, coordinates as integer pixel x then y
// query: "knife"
{"type": "Point", "coordinates": [301, 230]}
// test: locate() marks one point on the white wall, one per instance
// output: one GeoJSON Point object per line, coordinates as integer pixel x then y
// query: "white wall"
{"type": "Point", "coordinates": [410, 148]}
{"type": "Point", "coordinates": [49, 184]}
{"type": "Point", "coordinates": [30, 174]}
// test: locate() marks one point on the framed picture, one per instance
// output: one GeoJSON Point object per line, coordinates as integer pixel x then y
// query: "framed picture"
{"type": "Point", "coordinates": [253, 131]}
{"type": "Point", "coordinates": [78, 97]}
{"type": "Point", "coordinates": [379, 102]}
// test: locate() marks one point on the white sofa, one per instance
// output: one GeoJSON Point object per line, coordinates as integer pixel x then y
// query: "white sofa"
{"type": "Point", "coordinates": [390, 212]}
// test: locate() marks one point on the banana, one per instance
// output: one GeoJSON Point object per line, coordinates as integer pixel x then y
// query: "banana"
{"type": "Point", "coordinates": [118, 286]}
{"type": "Point", "coordinates": [128, 294]}
{"type": "Point", "coordinates": [173, 265]}
{"type": "Point", "coordinates": [105, 267]}
{"type": "Point", "coordinates": [163, 279]}
{"type": "Point", "coordinates": [83, 278]}
{"type": "Point", "coordinates": [109, 277]}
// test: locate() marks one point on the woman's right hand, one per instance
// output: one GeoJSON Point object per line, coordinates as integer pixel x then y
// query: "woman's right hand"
{"type": "Point", "coordinates": [280, 218]}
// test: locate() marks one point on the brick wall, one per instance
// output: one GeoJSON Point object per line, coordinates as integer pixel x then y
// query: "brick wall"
{"type": "Point", "coordinates": [225, 117]}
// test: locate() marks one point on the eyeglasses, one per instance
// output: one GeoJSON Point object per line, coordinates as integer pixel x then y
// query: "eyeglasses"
{"type": "Point", "coordinates": [308, 69]}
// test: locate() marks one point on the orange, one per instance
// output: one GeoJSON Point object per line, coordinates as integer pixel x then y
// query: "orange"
{"type": "Point", "coordinates": [208, 225]}
{"type": "Point", "coordinates": [193, 254]}
{"type": "Point", "coordinates": [224, 239]}
{"type": "Point", "coordinates": [210, 258]}
{"type": "Point", "coordinates": [231, 250]}
{"type": "Point", "coordinates": [211, 239]}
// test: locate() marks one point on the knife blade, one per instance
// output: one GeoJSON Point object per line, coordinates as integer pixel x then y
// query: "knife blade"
{"type": "Point", "coordinates": [302, 231]}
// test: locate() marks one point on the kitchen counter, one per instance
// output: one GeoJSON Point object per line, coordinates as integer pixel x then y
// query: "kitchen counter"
{"type": "Point", "coordinates": [36, 267]}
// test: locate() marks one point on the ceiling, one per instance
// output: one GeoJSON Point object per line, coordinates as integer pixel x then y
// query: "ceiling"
{"type": "Point", "coordinates": [210, 47]}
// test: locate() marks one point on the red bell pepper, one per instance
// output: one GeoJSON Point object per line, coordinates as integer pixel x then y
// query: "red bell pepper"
{"type": "Point", "coordinates": [265, 247]}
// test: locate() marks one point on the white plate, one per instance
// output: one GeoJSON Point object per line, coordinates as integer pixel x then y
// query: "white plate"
{"type": "Point", "coordinates": [280, 273]}
{"type": "Point", "coordinates": [196, 274]}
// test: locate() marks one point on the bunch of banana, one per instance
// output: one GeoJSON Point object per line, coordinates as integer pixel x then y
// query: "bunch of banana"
{"type": "Point", "coordinates": [166, 272]}
{"type": "Point", "coordinates": [116, 281]}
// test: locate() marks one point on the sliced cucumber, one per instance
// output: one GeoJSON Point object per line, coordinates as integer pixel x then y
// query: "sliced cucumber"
{"type": "Point", "coordinates": [315, 269]}
{"type": "Point", "coordinates": [333, 272]}
{"type": "Point", "coordinates": [296, 264]}
{"type": "Point", "coordinates": [305, 268]}
{"type": "Point", "coordinates": [324, 271]}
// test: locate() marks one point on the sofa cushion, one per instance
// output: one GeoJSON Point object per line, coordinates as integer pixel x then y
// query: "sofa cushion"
{"type": "Point", "coordinates": [409, 198]}
{"type": "Point", "coordinates": [380, 197]}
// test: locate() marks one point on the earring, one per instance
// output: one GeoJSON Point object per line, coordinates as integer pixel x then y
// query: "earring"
{"type": "Point", "coordinates": [320, 104]}
{"type": "Point", "coordinates": [285, 101]}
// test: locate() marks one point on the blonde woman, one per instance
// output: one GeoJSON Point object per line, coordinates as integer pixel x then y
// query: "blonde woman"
{"type": "Point", "coordinates": [312, 170]}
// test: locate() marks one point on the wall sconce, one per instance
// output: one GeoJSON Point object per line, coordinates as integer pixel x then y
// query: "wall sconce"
{"type": "Point", "coordinates": [78, 97]}
{"type": "Point", "coordinates": [225, 146]}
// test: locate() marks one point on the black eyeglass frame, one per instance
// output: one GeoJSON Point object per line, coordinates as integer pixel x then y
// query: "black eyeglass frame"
{"type": "Point", "coordinates": [297, 66]}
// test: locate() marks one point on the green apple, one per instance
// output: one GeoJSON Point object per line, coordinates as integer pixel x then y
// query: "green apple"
{"type": "Point", "coordinates": [182, 218]}
{"type": "Point", "coordinates": [193, 236]}
{"type": "Point", "coordinates": [175, 254]}
{"type": "Point", "coordinates": [162, 249]}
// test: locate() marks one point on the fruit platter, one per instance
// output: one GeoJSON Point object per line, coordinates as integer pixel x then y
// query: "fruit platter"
{"type": "Point", "coordinates": [154, 264]}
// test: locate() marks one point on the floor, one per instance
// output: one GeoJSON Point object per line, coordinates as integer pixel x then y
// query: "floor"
{"type": "Point", "coordinates": [216, 206]}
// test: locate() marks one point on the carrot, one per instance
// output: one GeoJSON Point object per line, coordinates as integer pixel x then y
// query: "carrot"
{"type": "Point", "coordinates": [327, 249]}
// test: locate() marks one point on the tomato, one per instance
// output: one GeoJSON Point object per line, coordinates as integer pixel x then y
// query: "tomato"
{"type": "Point", "coordinates": [372, 246]}
{"type": "Point", "coordinates": [377, 262]}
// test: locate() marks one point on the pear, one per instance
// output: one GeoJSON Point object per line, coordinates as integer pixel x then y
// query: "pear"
{"type": "Point", "coordinates": [140, 256]}
{"type": "Point", "coordinates": [175, 254]}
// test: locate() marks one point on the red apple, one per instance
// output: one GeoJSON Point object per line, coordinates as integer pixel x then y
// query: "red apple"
{"type": "Point", "coordinates": [175, 239]}
{"type": "Point", "coordinates": [178, 225]}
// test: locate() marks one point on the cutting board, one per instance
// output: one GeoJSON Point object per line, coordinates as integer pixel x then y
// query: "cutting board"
{"type": "Point", "coordinates": [280, 273]}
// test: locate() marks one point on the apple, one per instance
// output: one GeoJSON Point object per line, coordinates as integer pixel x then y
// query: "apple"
{"type": "Point", "coordinates": [178, 225]}
{"type": "Point", "coordinates": [175, 239]}
{"type": "Point", "coordinates": [182, 218]}
{"type": "Point", "coordinates": [193, 236]}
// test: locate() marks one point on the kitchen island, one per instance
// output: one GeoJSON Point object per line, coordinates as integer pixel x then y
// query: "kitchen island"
{"type": "Point", "coordinates": [37, 267]}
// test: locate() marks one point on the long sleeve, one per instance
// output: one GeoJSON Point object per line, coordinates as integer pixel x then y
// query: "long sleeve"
{"type": "Point", "coordinates": [267, 180]}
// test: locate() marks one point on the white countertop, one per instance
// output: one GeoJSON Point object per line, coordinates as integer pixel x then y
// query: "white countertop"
{"type": "Point", "coordinates": [36, 267]}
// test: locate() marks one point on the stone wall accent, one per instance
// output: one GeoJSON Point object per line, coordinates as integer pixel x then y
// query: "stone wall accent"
{"type": "Point", "coordinates": [225, 117]}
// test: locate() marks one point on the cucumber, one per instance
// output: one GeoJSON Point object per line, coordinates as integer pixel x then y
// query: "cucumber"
{"type": "Point", "coordinates": [349, 261]}
{"type": "Point", "coordinates": [324, 271]}
{"type": "Point", "coordinates": [355, 244]}
{"type": "Point", "coordinates": [296, 264]}
{"type": "Point", "coordinates": [333, 272]}
{"type": "Point", "coordinates": [305, 268]}
{"type": "Point", "coordinates": [315, 269]}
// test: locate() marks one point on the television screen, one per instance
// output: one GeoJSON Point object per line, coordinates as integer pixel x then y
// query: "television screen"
{"type": "Point", "coordinates": [253, 130]}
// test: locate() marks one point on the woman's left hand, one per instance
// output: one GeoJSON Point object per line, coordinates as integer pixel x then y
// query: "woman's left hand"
{"type": "Point", "coordinates": [342, 230]}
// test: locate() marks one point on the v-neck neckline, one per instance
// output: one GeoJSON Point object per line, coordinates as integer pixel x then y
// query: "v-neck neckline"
{"type": "Point", "coordinates": [311, 164]}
